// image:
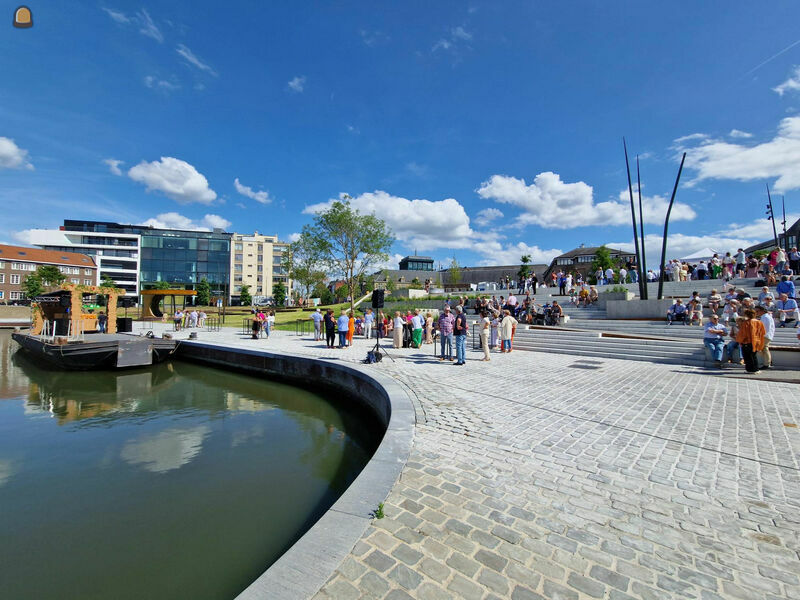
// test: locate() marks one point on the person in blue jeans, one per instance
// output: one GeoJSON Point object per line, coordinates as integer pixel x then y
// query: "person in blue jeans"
{"type": "Point", "coordinates": [446, 323]}
{"type": "Point", "coordinates": [714, 338]}
{"type": "Point", "coordinates": [342, 325]}
{"type": "Point", "coordinates": [460, 333]}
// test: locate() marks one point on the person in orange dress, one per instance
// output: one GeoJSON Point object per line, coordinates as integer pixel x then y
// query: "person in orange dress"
{"type": "Point", "coordinates": [751, 339]}
{"type": "Point", "coordinates": [351, 329]}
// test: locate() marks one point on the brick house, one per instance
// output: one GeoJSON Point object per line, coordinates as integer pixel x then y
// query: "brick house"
{"type": "Point", "coordinates": [17, 262]}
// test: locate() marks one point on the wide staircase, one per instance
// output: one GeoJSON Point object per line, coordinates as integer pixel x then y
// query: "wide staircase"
{"type": "Point", "coordinates": [589, 333]}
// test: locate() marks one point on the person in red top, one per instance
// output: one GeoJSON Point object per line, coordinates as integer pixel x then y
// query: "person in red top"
{"type": "Point", "coordinates": [751, 340]}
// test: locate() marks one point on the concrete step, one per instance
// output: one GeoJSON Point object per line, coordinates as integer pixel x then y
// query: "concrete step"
{"type": "Point", "coordinates": [666, 358]}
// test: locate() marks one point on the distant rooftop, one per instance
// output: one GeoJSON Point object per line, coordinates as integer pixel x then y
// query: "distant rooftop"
{"type": "Point", "coordinates": [50, 257]}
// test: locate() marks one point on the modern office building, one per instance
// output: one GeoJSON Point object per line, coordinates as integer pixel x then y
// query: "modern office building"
{"type": "Point", "coordinates": [257, 261]}
{"type": "Point", "coordinates": [138, 257]}
{"type": "Point", "coordinates": [17, 262]}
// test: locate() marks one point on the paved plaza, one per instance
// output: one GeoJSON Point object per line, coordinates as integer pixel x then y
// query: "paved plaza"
{"type": "Point", "coordinates": [548, 476]}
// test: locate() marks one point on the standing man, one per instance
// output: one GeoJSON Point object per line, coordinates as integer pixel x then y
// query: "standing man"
{"type": "Point", "coordinates": [102, 322]}
{"type": "Point", "coordinates": [369, 320]}
{"type": "Point", "coordinates": [623, 275]}
{"type": "Point", "coordinates": [460, 332]}
{"type": "Point", "coordinates": [741, 259]}
{"type": "Point", "coordinates": [316, 316]}
{"type": "Point", "coordinates": [609, 276]}
{"type": "Point", "coordinates": [534, 282]}
{"type": "Point", "coordinates": [446, 323]}
{"type": "Point", "coordinates": [769, 332]}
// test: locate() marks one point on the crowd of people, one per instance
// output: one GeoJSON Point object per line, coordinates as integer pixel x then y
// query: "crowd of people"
{"type": "Point", "coordinates": [186, 319]}
{"type": "Point", "coordinates": [263, 323]}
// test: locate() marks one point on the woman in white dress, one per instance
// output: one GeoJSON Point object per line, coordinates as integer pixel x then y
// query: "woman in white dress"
{"type": "Point", "coordinates": [495, 323]}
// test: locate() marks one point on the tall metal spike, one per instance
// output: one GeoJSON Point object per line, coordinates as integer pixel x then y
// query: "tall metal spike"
{"type": "Point", "coordinates": [642, 285]}
{"type": "Point", "coordinates": [666, 228]}
{"type": "Point", "coordinates": [641, 228]}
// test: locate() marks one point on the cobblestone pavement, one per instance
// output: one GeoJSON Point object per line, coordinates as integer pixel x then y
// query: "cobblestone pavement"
{"type": "Point", "coordinates": [545, 476]}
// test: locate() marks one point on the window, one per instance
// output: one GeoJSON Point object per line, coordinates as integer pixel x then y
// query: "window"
{"type": "Point", "coordinates": [1, 294]}
{"type": "Point", "coordinates": [87, 271]}
{"type": "Point", "coordinates": [75, 281]}
{"type": "Point", "coordinates": [2, 265]}
{"type": "Point", "coordinates": [2, 278]}
{"type": "Point", "coordinates": [585, 259]}
{"type": "Point", "coordinates": [237, 247]}
{"type": "Point", "coordinates": [14, 280]}
{"type": "Point", "coordinates": [16, 296]}
{"type": "Point", "coordinates": [87, 282]}
{"type": "Point", "coordinates": [237, 258]}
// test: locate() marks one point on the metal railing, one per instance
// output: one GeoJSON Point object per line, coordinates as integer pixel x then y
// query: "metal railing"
{"type": "Point", "coordinates": [212, 323]}
{"type": "Point", "coordinates": [301, 326]}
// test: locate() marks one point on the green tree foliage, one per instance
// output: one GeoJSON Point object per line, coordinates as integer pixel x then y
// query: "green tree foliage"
{"type": "Point", "coordinates": [203, 292]}
{"type": "Point", "coordinates": [602, 259]}
{"type": "Point", "coordinates": [389, 281]}
{"type": "Point", "coordinates": [322, 292]}
{"type": "Point", "coordinates": [454, 272]}
{"type": "Point", "coordinates": [278, 293]}
{"type": "Point", "coordinates": [162, 285]}
{"type": "Point", "coordinates": [244, 296]}
{"type": "Point", "coordinates": [525, 268]}
{"type": "Point", "coordinates": [36, 283]}
{"type": "Point", "coordinates": [303, 261]}
{"type": "Point", "coordinates": [349, 243]}
{"type": "Point", "coordinates": [416, 284]}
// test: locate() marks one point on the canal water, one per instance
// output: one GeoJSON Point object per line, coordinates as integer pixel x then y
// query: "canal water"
{"type": "Point", "coordinates": [179, 481]}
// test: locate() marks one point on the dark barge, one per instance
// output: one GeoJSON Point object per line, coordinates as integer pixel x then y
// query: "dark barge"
{"type": "Point", "coordinates": [99, 351]}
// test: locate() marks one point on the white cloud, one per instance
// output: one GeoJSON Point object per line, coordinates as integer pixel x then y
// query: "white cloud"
{"type": "Point", "coordinates": [147, 26]}
{"type": "Point", "coordinates": [353, 129]}
{"type": "Point", "coordinates": [113, 165]}
{"type": "Point", "coordinates": [553, 204]}
{"type": "Point", "coordinates": [496, 253]}
{"type": "Point", "coordinates": [116, 15]}
{"type": "Point", "coordinates": [175, 178]}
{"type": "Point", "coordinates": [160, 84]}
{"type": "Point", "coordinates": [487, 215]}
{"type": "Point", "coordinates": [417, 169]}
{"type": "Point", "coordinates": [12, 156]}
{"type": "Point", "coordinates": [792, 84]}
{"type": "Point", "coordinates": [779, 157]}
{"type": "Point", "coordinates": [293, 237]}
{"type": "Point", "coordinates": [420, 224]}
{"type": "Point", "coordinates": [165, 451]}
{"type": "Point", "coordinates": [458, 35]}
{"type": "Point", "coordinates": [24, 237]}
{"type": "Point", "coordinates": [736, 133]}
{"type": "Point", "coordinates": [247, 191]}
{"type": "Point", "coordinates": [691, 137]}
{"type": "Point", "coordinates": [297, 84]}
{"type": "Point", "coordinates": [760, 229]}
{"type": "Point", "coordinates": [173, 220]}
{"type": "Point", "coordinates": [192, 59]}
{"type": "Point", "coordinates": [680, 245]}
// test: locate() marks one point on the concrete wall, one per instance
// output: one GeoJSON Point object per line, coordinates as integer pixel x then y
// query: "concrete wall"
{"type": "Point", "coordinates": [638, 309]}
{"type": "Point", "coordinates": [406, 293]}
{"type": "Point", "coordinates": [307, 565]}
{"type": "Point", "coordinates": [15, 312]}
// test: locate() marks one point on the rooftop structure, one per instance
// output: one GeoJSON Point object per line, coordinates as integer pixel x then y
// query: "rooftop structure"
{"type": "Point", "coordinates": [16, 262]}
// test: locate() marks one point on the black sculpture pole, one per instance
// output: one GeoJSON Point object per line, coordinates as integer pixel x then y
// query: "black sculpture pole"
{"type": "Point", "coordinates": [664, 239]}
{"type": "Point", "coordinates": [785, 237]}
{"type": "Point", "coordinates": [772, 216]}
{"type": "Point", "coordinates": [641, 228]}
{"type": "Point", "coordinates": [633, 218]}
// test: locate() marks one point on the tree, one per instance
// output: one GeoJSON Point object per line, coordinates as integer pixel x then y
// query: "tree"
{"type": "Point", "coordinates": [203, 292]}
{"type": "Point", "coordinates": [602, 259]}
{"type": "Point", "coordinates": [162, 285]}
{"type": "Point", "coordinates": [349, 243]}
{"type": "Point", "coordinates": [388, 279]}
{"type": "Point", "coordinates": [454, 272]}
{"type": "Point", "coordinates": [525, 269]}
{"type": "Point", "coordinates": [44, 276]}
{"type": "Point", "coordinates": [322, 292]}
{"type": "Point", "coordinates": [303, 263]}
{"type": "Point", "coordinates": [279, 293]}
{"type": "Point", "coordinates": [244, 296]}
{"type": "Point", "coordinates": [416, 284]}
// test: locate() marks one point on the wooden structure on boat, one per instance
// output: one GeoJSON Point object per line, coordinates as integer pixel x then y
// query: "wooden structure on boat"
{"type": "Point", "coordinates": [66, 305]}
{"type": "Point", "coordinates": [151, 302]}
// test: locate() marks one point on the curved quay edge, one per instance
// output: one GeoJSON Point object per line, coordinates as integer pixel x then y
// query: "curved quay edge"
{"type": "Point", "coordinates": [305, 567]}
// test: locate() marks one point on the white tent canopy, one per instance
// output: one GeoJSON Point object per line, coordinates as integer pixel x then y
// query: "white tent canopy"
{"type": "Point", "coordinates": [705, 254]}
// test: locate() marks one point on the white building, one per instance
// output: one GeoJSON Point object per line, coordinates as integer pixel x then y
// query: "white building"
{"type": "Point", "coordinates": [117, 255]}
{"type": "Point", "coordinates": [256, 261]}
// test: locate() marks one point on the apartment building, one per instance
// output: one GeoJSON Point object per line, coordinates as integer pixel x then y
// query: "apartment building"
{"type": "Point", "coordinates": [17, 262]}
{"type": "Point", "coordinates": [256, 261]}
{"type": "Point", "coordinates": [115, 248]}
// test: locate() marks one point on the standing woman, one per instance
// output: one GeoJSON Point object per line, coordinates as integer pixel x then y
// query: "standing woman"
{"type": "Point", "coordinates": [429, 328]}
{"type": "Point", "coordinates": [351, 328]}
{"type": "Point", "coordinates": [507, 326]}
{"type": "Point", "coordinates": [486, 326]}
{"type": "Point", "coordinates": [330, 329]}
{"type": "Point", "coordinates": [495, 324]}
{"type": "Point", "coordinates": [398, 328]}
{"type": "Point", "coordinates": [270, 322]}
{"type": "Point", "coordinates": [751, 340]}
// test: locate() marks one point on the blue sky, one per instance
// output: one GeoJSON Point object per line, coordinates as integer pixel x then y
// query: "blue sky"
{"type": "Point", "coordinates": [480, 130]}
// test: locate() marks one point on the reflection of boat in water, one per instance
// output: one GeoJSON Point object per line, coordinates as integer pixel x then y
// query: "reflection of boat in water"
{"type": "Point", "coordinates": [72, 396]}
{"type": "Point", "coordinates": [100, 351]}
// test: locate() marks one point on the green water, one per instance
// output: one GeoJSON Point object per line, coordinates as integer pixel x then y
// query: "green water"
{"type": "Point", "coordinates": [179, 481]}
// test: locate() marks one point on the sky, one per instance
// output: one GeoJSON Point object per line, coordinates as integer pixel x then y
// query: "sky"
{"type": "Point", "coordinates": [479, 131]}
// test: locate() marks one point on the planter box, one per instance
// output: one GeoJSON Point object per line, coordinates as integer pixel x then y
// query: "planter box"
{"type": "Point", "coordinates": [638, 309]}
{"type": "Point", "coordinates": [604, 297]}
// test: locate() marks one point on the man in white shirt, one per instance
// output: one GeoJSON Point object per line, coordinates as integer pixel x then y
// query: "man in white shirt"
{"type": "Point", "coordinates": [416, 329]}
{"type": "Point", "coordinates": [369, 321]}
{"type": "Point", "coordinates": [769, 333]}
{"type": "Point", "coordinates": [317, 318]}
{"type": "Point", "coordinates": [609, 276]}
{"type": "Point", "coordinates": [623, 275]}
{"type": "Point", "coordinates": [787, 309]}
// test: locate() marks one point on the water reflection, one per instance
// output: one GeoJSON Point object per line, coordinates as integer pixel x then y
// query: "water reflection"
{"type": "Point", "coordinates": [189, 480]}
{"type": "Point", "coordinates": [167, 450]}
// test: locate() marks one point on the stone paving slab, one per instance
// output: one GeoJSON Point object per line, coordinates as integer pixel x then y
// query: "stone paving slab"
{"type": "Point", "coordinates": [548, 476]}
